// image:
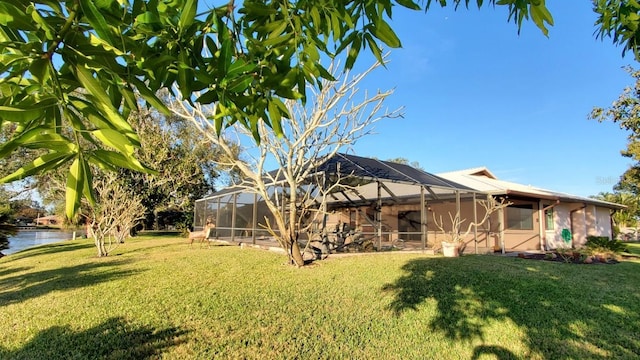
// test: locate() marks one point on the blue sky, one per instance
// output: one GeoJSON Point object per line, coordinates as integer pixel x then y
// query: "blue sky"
{"type": "Point", "coordinates": [478, 94]}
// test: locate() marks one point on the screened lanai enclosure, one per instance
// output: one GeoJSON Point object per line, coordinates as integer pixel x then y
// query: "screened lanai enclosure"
{"type": "Point", "coordinates": [376, 206]}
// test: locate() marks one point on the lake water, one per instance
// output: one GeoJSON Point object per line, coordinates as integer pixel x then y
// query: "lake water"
{"type": "Point", "coordinates": [28, 238]}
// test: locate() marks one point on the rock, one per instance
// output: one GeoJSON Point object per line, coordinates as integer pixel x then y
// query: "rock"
{"type": "Point", "coordinates": [588, 260]}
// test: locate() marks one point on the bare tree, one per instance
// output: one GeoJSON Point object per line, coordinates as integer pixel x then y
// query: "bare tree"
{"type": "Point", "coordinates": [333, 119]}
{"type": "Point", "coordinates": [116, 212]}
{"type": "Point", "coordinates": [457, 232]}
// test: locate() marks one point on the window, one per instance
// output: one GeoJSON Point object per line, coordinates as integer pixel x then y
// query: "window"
{"type": "Point", "coordinates": [548, 219]}
{"type": "Point", "coordinates": [520, 217]}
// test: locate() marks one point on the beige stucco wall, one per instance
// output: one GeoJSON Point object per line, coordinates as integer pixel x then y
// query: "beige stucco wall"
{"type": "Point", "coordinates": [588, 220]}
{"type": "Point", "coordinates": [603, 222]}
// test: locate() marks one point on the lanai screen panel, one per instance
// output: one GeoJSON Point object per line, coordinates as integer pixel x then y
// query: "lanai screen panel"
{"type": "Point", "coordinates": [262, 211]}
{"type": "Point", "coordinates": [244, 214]}
{"type": "Point", "coordinates": [199, 215]}
{"type": "Point", "coordinates": [211, 211]}
{"type": "Point", "coordinates": [224, 215]}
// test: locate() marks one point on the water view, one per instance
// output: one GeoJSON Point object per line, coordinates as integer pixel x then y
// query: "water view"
{"type": "Point", "coordinates": [28, 238]}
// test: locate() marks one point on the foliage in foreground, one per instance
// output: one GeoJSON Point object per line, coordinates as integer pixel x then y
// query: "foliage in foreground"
{"type": "Point", "coordinates": [70, 69]}
{"type": "Point", "coordinates": [162, 297]}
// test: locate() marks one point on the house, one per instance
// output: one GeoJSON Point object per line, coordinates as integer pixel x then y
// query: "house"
{"type": "Point", "coordinates": [49, 220]}
{"type": "Point", "coordinates": [395, 204]}
{"type": "Point", "coordinates": [538, 218]}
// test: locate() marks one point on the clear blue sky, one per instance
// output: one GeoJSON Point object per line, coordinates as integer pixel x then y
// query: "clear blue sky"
{"type": "Point", "coordinates": [478, 94]}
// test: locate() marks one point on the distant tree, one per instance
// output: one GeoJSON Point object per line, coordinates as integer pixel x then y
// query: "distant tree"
{"type": "Point", "coordinates": [184, 161]}
{"type": "Point", "coordinates": [625, 217]}
{"type": "Point", "coordinates": [625, 111]}
{"type": "Point", "coordinates": [334, 118]}
{"type": "Point", "coordinates": [6, 229]}
{"type": "Point", "coordinates": [405, 161]}
{"type": "Point", "coordinates": [26, 208]}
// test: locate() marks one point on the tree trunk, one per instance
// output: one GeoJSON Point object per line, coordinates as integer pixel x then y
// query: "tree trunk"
{"type": "Point", "coordinates": [295, 254]}
{"type": "Point", "coordinates": [100, 245]}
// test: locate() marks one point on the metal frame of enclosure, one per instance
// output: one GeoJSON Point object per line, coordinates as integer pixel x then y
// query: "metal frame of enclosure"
{"type": "Point", "coordinates": [388, 203]}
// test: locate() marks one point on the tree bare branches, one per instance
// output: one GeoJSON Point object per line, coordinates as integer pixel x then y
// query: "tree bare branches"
{"type": "Point", "coordinates": [116, 212]}
{"type": "Point", "coordinates": [336, 116]}
{"type": "Point", "coordinates": [457, 233]}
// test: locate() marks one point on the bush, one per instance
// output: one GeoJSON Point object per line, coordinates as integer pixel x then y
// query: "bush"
{"type": "Point", "coordinates": [604, 245]}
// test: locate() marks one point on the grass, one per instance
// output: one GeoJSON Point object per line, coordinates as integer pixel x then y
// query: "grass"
{"type": "Point", "coordinates": [158, 297]}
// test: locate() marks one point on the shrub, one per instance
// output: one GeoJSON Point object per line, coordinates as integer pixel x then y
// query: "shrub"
{"type": "Point", "coordinates": [603, 243]}
{"type": "Point", "coordinates": [604, 248]}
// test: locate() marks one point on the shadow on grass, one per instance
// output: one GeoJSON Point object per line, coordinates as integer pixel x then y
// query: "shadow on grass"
{"type": "Point", "coordinates": [160, 233]}
{"type": "Point", "coordinates": [18, 288]}
{"type": "Point", "coordinates": [54, 248]}
{"type": "Point", "coordinates": [114, 339]}
{"type": "Point", "coordinates": [11, 270]}
{"type": "Point", "coordinates": [564, 311]}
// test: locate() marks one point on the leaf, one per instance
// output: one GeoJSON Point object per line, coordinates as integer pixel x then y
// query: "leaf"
{"type": "Point", "coordinates": [541, 15]}
{"type": "Point", "coordinates": [413, 6]}
{"type": "Point", "coordinates": [374, 48]}
{"type": "Point", "coordinates": [26, 112]}
{"type": "Point", "coordinates": [19, 115]}
{"type": "Point", "coordinates": [75, 183]}
{"type": "Point", "coordinates": [43, 163]}
{"type": "Point", "coordinates": [88, 182]}
{"type": "Point", "coordinates": [240, 84]}
{"type": "Point", "coordinates": [115, 140]}
{"type": "Point", "coordinates": [383, 31]}
{"type": "Point", "coordinates": [96, 20]}
{"type": "Point", "coordinates": [225, 56]}
{"type": "Point", "coordinates": [96, 41]}
{"type": "Point", "coordinates": [354, 50]}
{"type": "Point", "coordinates": [113, 159]}
{"type": "Point", "coordinates": [14, 17]}
{"type": "Point", "coordinates": [89, 112]}
{"type": "Point", "coordinates": [188, 14]}
{"type": "Point", "coordinates": [103, 103]}
{"type": "Point", "coordinates": [240, 66]}
{"type": "Point", "coordinates": [149, 96]}
{"type": "Point", "coordinates": [149, 19]}
{"type": "Point", "coordinates": [49, 32]}
{"type": "Point", "coordinates": [185, 76]}
{"type": "Point", "coordinates": [38, 137]}
{"type": "Point", "coordinates": [40, 70]}
{"type": "Point", "coordinates": [275, 117]}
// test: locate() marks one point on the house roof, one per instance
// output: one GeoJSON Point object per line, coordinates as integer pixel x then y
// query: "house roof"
{"type": "Point", "coordinates": [481, 179]}
{"type": "Point", "coordinates": [399, 180]}
{"type": "Point", "coordinates": [352, 165]}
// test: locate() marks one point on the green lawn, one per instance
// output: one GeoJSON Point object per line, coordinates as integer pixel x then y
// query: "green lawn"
{"type": "Point", "coordinates": [158, 297]}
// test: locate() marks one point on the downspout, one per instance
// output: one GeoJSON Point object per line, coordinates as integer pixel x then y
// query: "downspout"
{"type": "Point", "coordinates": [475, 224]}
{"type": "Point", "coordinates": [423, 219]}
{"type": "Point", "coordinates": [501, 229]}
{"type": "Point", "coordinates": [543, 221]}
{"type": "Point", "coordinates": [571, 220]}
{"type": "Point", "coordinates": [457, 235]}
{"type": "Point", "coordinates": [379, 216]}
